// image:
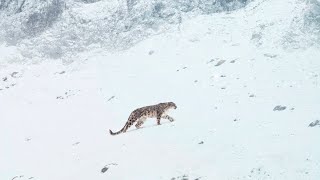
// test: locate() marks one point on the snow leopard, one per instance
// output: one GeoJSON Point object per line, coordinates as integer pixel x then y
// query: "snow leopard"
{"type": "Point", "coordinates": [140, 115]}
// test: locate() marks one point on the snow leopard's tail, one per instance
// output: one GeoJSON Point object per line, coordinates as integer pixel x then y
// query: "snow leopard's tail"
{"type": "Point", "coordinates": [115, 133]}
{"type": "Point", "coordinates": [124, 129]}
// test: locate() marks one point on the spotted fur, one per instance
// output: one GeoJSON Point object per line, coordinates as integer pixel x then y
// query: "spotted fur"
{"type": "Point", "coordinates": [139, 115]}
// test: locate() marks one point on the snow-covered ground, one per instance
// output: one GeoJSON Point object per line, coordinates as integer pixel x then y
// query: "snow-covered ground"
{"type": "Point", "coordinates": [244, 105]}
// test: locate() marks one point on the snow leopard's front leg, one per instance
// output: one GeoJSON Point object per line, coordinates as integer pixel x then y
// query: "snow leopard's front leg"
{"type": "Point", "coordinates": [158, 118]}
{"type": "Point", "coordinates": [168, 117]}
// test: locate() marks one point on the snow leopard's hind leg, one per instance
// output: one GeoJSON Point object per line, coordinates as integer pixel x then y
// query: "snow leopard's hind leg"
{"type": "Point", "coordinates": [140, 122]}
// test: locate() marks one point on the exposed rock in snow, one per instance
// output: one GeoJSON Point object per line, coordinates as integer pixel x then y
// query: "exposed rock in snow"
{"type": "Point", "coordinates": [279, 108]}
{"type": "Point", "coordinates": [315, 123]}
{"type": "Point", "coordinates": [56, 28]}
{"type": "Point", "coordinates": [106, 167]}
{"type": "Point", "coordinates": [220, 62]}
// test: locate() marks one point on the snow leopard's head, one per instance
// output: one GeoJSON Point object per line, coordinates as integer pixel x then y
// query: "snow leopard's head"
{"type": "Point", "coordinates": [172, 105]}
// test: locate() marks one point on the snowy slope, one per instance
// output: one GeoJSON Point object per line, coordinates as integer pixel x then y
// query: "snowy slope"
{"type": "Point", "coordinates": [56, 29]}
{"type": "Point", "coordinates": [226, 72]}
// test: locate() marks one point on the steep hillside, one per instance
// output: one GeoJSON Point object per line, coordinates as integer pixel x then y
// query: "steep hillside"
{"type": "Point", "coordinates": [58, 29]}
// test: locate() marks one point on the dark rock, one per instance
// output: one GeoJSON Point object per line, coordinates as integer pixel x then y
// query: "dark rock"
{"type": "Point", "coordinates": [111, 98]}
{"type": "Point", "coordinates": [60, 97]}
{"type": "Point", "coordinates": [21, 176]}
{"type": "Point", "coordinates": [210, 61]}
{"type": "Point", "coordinates": [220, 62]}
{"type": "Point", "coordinates": [182, 68]}
{"type": "Point", "coordinates": [279, 108]}
{"type": "Point", "coordinates": [104, 169]}
{"type": "Point", "coordinates": [185, 177]}
{"type": "Point", "coordinates": [14, 74]}
{"type": "Point", "coordinates": [314, 123]}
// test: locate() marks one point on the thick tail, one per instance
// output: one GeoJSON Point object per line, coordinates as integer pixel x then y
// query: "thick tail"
{"type": "Point", "coordinates": [125, 127]}
{"type": "Point", "coordinates": [115, 133]}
